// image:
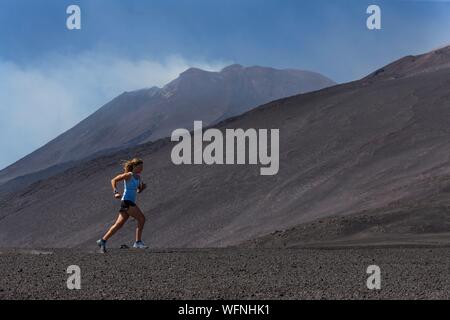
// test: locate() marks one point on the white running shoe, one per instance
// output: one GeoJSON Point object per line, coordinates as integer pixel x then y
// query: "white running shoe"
{"type": "Point", "coordinates": [139, 245]}
{"type": "Point", "coordinates": [102, 244]}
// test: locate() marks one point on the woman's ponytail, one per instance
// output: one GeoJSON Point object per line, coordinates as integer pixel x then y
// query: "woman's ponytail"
{"type": "Point", "coordinates": [129, 165]}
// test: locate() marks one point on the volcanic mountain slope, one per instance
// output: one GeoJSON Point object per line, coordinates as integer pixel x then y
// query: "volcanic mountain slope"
{"type": "Point", "coordinates": [364, 160]}
{"type": "Point", "coordinates": [147, 115]}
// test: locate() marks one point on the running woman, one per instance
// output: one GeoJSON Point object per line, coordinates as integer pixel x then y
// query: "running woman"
{"type": "Point", "coordinates": [128, 207]}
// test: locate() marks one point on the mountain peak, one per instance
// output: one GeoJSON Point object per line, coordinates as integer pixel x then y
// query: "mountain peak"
{"type": "Point", "coordinates": [232, 68]}
{"type": "Point", "coordinates": [192, 71]}
{"type": "Point", "coordinates": [444, 49]}
{"type": "Point", "coordinates": [408, 66]}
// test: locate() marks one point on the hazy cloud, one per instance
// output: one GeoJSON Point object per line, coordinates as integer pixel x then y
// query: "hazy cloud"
{"type": "Point", "coordinates": [41, 100]}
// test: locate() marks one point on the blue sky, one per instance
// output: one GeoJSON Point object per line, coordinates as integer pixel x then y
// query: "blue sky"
{"type": "Point", "coordinates": [51, 78]}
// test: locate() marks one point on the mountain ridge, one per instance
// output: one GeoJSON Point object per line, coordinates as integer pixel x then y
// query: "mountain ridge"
{"type": "Point", "coordinates": [374, 154]}
{"type": "Point", "coordinates": [153, 113]}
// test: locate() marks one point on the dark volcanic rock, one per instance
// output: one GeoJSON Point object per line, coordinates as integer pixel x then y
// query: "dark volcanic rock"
{"type": "Point", "coordinates": [406, 273]}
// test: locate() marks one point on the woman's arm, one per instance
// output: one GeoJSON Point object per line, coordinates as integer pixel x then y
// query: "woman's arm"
{"type": "Point", "coordinates": [120, 177]}
{"type": "Point", "coordinates": [142, 186]}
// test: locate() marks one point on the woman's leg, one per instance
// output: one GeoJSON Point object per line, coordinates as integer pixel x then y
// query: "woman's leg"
{"type": "Point", "coordinates": [121, 219]}
{"type": "Point", "coordinates": [136, 213]}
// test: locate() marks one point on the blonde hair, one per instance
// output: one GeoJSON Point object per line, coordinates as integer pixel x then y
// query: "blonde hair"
{"type": "Point", "coordinates": [129, 165]}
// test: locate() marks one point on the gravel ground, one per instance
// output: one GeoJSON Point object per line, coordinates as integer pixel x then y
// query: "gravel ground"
{"type": "Point", "coordinates": [324, 273]}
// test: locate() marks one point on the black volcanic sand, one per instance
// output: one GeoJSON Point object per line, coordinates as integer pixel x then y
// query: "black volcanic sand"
{"type": "Point", "coordinates": [325, 273]}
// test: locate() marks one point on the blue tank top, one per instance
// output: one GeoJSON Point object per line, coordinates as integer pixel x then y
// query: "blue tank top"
{"type": "Point", "coordinates": [130, 188]}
